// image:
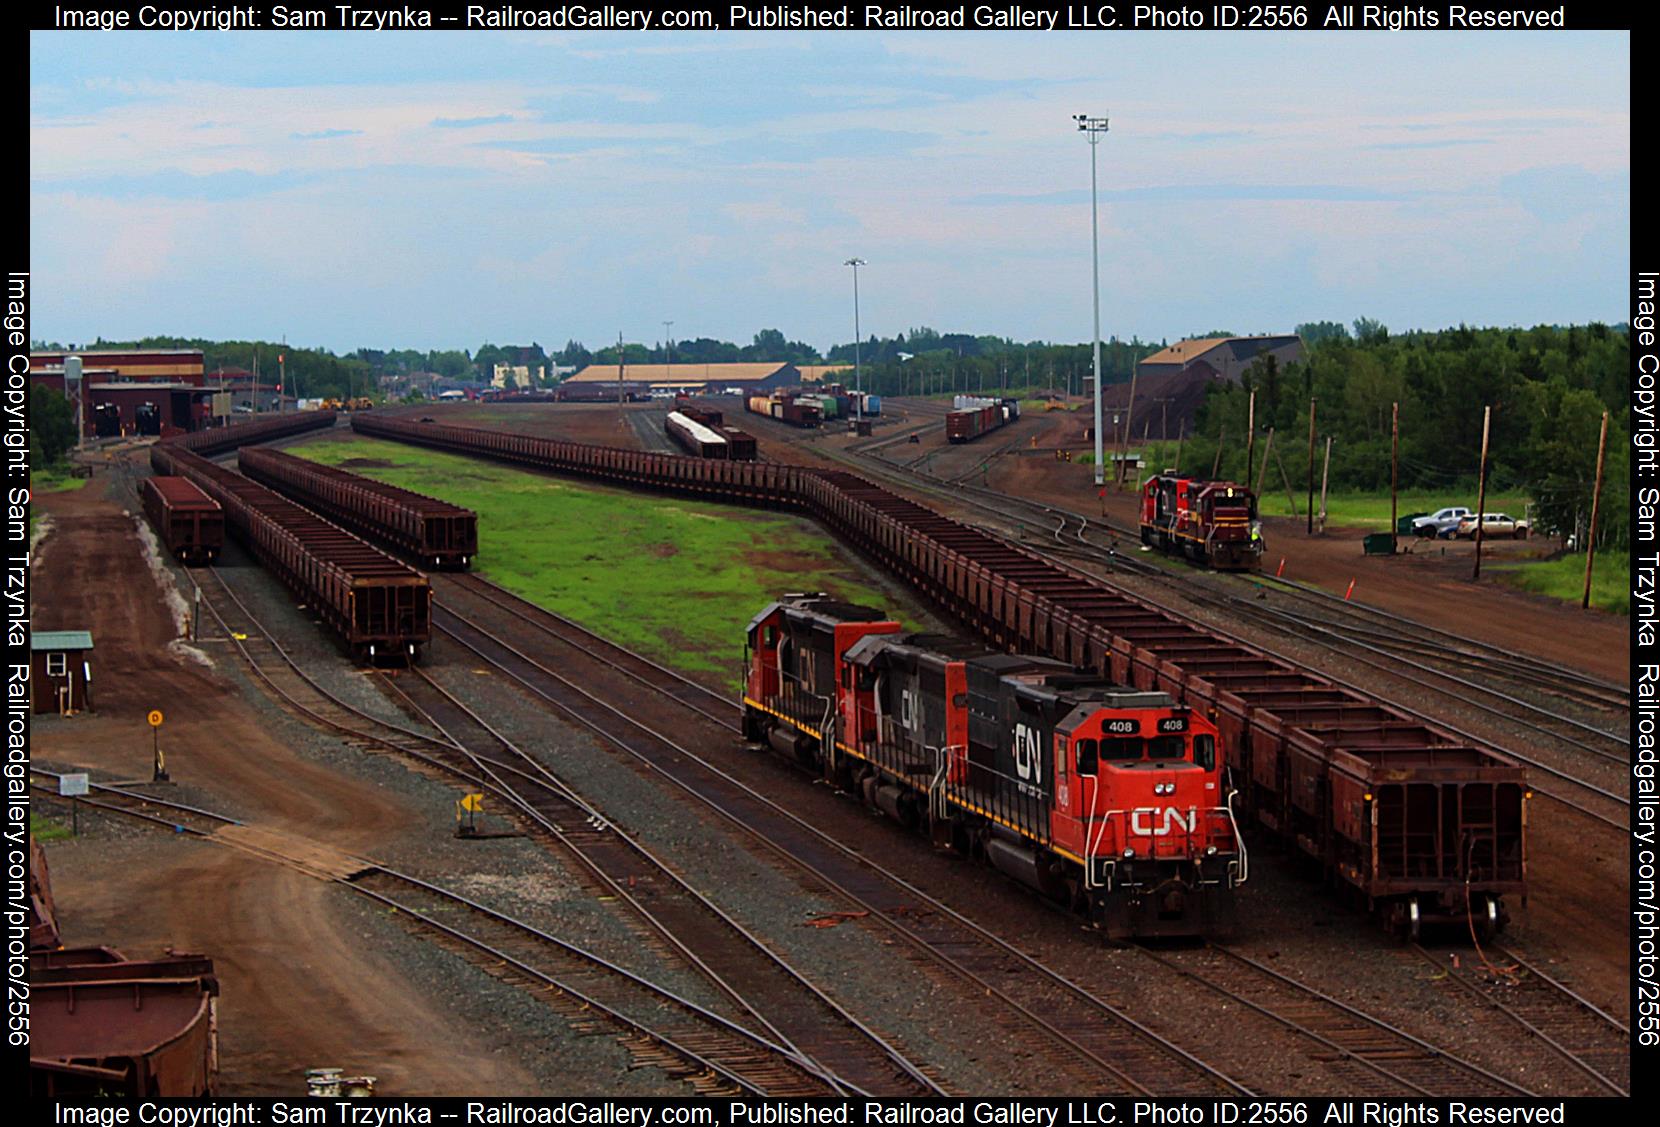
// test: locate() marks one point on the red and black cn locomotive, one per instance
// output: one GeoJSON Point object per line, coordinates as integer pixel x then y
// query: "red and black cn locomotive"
{"type": "Point", "coordinates": [1214, 522]}
{"type": "Point", "coordinates": [1096, 795]}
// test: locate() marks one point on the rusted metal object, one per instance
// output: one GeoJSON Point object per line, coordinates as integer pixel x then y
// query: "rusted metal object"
{"type": "Point", "coordinates": [1422, 823]}
{"type": "Point", "coordinates": [43, 915]}
{"type": "Point", "coordinates": [190, 524]}
{"type": "Point", "coordinates": [120, 1028]}
{"type": "Point", "coordinates": [433, 533]}
{"type": "Point", "coordinates": [380, 606]}
{"type": "Point", "coordinates": [218, 440]}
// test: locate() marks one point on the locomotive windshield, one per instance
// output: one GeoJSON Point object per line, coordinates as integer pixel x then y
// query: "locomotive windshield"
{"type": "Point", "coordinates": [1134, 747]}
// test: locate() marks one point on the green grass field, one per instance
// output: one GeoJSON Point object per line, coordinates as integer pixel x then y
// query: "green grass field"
{"type": "Point", "coordinates": [1564, 578]}
{"type": "Point", "coordinates": [54, 479]}
{"type": "Point", "coordinates": [675, 579]}
{"type": "Point", "coordinates": [47, 829]}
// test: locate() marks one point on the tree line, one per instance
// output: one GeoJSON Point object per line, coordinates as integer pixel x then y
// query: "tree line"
{"type": "Point", "coordinates": [1548, 387]}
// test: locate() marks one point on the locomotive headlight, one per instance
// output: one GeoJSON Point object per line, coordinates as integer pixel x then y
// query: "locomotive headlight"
{"type": "Point", "coordinates": [1210, 851]}
{"type": "Point", "coordinates": [1128, 854]}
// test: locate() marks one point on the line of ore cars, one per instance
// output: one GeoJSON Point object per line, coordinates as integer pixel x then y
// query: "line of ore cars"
{"type": "Point", "coordinates": [1107, 796]}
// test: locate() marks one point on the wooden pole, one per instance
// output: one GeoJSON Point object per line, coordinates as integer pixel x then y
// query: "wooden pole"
{"type": "Point", "coordinates": [1262, 476]}
{"type": "Point", "coordinates": [1311, 465]}
{"type": "Point", "coordinates": [1394, 474]}
{"type": "Point", "coordinates": [1481, 488]}
{"type": "Point", "coordinates": [1596, 502]}
{"type": "Point", "coordinates": [1325, 472]}
{"type": "Point", "coordinates": [1129, 416]}
{"type": "Point", "coordinates": [1250, 434]}
{"type": "Point", "coordinates": [1291, 498]}
{"type": "Point", "coordinates": [1216, 463]}
{"type": "Point", "coordinates": [1181, 433]}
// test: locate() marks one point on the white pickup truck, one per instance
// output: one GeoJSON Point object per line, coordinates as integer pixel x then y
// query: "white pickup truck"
{"type": "Point", "coordinates": [1440, 524]}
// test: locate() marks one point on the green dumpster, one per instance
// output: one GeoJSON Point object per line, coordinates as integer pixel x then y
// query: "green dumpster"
{"type": "Point", "coordinates": [1380, 544]}
{"type": "Point", "coordinates": [1403, 527]}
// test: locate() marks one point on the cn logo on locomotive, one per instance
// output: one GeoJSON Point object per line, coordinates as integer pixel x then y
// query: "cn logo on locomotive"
{"type": "Point", "coordinates": [1027, 761]}
{"type": "Point", "coordinates": [1141, 821]}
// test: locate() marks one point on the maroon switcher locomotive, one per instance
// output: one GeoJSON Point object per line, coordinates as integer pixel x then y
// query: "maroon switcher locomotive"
{"type": "Point", "coordinates": [1097, 795]}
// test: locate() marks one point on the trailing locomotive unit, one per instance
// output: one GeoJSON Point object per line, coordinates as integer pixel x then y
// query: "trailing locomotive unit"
{"type": "Point", "coordinates": [1211, 521]}
{"type": "Point", "coordinates": [1100, 796]}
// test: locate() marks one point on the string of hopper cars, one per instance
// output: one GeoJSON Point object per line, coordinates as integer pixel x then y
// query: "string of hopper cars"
{"type": "Point", "coordinates": [381, 607]}
{"type": "Point", "coordinates": [971, 416]}
{"type": "Point", "coordinates": [434, 533]}
{"type": "Point", "coordinates": [1419, 823]}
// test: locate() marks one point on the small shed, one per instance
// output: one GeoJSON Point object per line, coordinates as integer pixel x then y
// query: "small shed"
{"type": "Point", "coordinates": [60, 671]}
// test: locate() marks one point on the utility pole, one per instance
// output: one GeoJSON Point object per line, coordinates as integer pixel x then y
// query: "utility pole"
{"type": "Point", "coordinates": [619, 368]}
{"type": "Point", "coordinates": [668, 348]}
{"type": "Point", "coordinates": [1221, 442]}
{"type": "Point", "coordinates": [1250, 435]}
{"type": "Point", "coordinates": [1481, 488]}
{"type": "Point", "coordinates": [1180, 434]}
{"type": "Point", "coordinates": [1325, 472]}
{"type": "Point", "coordinates": [1311, 465]}
{"type": "Point", "coordinates": [1596, 502]}
{"type": "Point", "coordinates": [1093, 127]}
{"type": "Point", "coordinates": [1262, 477]}
{"type": "Point", "coordinates": [1394, 475]}
{"type": "Point", "coordinates": [1129, 416]}
{"type": "Point", "coordinates": [858, 379]}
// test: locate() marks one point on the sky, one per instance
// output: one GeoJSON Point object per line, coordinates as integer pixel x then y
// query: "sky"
{"type": "Point", "coordinates": [444, 190]}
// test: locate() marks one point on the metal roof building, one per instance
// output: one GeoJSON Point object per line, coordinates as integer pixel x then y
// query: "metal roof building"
{"type": "Point", "coordinates": [691, 377]}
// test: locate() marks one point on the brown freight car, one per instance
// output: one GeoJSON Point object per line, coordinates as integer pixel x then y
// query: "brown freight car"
{"type": "Point", "coordinates": [380, 606]}
{"type": "Point", "coordinates": [108, 1027]}
{"type": "Point", "coordinates": [1442, 836]}
{"type": "Point", "coordinates": [190, 524]}
{"type": "Point", "coordinates": [217, 440]}
{"type": "Point", "coordinates": [432, 532]}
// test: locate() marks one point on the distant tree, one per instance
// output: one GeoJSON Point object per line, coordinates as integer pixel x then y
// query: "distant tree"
{"type": "Point", "coordinates": [574, 355]}
{"type": "Point", "coordinates": [1368, 331]}
{"type": "Point", "coordinates": [1319, 332]}
{"type": "Point", "coordinates": [51, 425]}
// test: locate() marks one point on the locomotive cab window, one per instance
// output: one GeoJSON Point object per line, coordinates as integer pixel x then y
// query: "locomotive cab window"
{"type": "Point", "coordinates": [1121, 749]}
{"type": "Point", "coordinates": [1165, 747]}
{"type": "Point", "coordinates": [1204, 751]}
{"type": "Point", "coordinates": [1085, 751]}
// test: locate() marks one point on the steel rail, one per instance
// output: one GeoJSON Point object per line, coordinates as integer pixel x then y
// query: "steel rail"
{"type": "Point", "coordinates": [660, 995]}
{"type": "Point", "coordinates": [551, 783]}
{"type": "Point", "coordinates": [1574, 1058]}
{"type": "Point", "coordinates": [839, 884]}
{"type": "Point", "coordinates": [506, 790]}
{"type": "Point", "coordinates": [1357, 1049]}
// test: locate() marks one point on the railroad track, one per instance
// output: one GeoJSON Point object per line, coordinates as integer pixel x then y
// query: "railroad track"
{"type": "Point", "coordinates": [1105, 1044]}
{"type": "Point", "coordinates": [790, 1007]}
{"type": "Point", "coordinates": [1595, 1044]}
{"type": "Point", "coordinates": [687, 925]}
{"type": "Point", "coordinates": [659, 1027]}
{"type": "Point", "coordinates": [1372, 1054]}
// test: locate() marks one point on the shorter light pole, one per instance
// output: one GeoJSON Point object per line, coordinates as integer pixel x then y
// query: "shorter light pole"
{"type": "Point", "coordinates": [858, 379]}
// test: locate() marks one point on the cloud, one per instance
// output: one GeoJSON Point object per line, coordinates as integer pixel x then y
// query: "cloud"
{"type": "Point", "coordinates": [326, 134]}
{"type": "Point", "coordinates": [470, 122]}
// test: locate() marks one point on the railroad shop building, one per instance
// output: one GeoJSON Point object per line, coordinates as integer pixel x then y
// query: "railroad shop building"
{"type": "Point", "coordinates": [60, 671]}
{"type": "Point", "coordinates": [132, 391]}
{"type": "Point", "coordinates": [1171, 383]}
{"type": "Point", "coordinates": [599, 381]}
